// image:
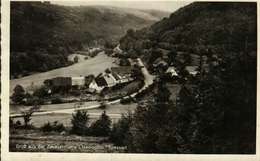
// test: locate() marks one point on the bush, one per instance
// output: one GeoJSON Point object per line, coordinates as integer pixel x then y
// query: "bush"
{"type": "Point", "coordinates": [56, 100]}
{"type": "Point", "coordinates": [15, 125]}
{"type": "Point", "coordinates": [41, 92]}
{"type": "Point", "coordinates": [57, 127]}
{"type": "Point", "coordinates": [75, 92]}
{"type": "Point", "coordinates": [126, 100]}
{"type": "Point", "coordinates": [102, 105]}
{"type": "Point", "coordinates": [46, 127]}
{"type": "Point", "coordinates": [30, 101]}
{"type": "Point", "coordinates": [18, 95]}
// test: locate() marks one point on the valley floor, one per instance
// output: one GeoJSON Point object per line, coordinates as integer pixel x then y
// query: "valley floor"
{"type": "Point", "coordinates": [95, 66]}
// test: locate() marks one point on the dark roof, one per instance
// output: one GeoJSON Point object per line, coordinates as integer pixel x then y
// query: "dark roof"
{"type": "Point", "coordinates": [88, 79]}
{"type": "Point", "coordinates": [122, 70]}
{"type": "Point", "coordinates": [101, 81]}
{"type": "Point", "coordinates": [61, 81]}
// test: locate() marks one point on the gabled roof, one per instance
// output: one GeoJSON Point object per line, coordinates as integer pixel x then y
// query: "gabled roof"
{"type": "Point", "coordinates": [89, 79]}
{"type": "Point", "coordinates": [109, 79]}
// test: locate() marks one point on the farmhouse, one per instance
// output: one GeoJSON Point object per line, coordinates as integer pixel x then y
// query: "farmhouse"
{"type": "Point", "coordinates": [110, 80]}
{"type": "Point", "coordinates": [98, 83]}
{"type": "Point", "coordinates": [122, 74]}
{"type": "Point", "coordinates": [116, 76]}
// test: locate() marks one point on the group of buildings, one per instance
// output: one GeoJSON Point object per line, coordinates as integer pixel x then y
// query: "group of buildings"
{"type": "Point", "coordinates": [112, 77]}
{"type": "Point", "coordinates": [192, 70]}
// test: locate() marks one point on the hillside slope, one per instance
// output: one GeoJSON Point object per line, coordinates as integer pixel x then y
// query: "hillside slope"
{"type": "Point", "coordinates": [42, 34]}
{"type": "Point", "coordinates": [199, 28]}
{"type": "Point", "coordinates": [216, 110]}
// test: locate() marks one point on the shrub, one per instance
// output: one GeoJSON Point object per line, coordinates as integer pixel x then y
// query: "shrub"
{"type": "Point", "coordinates": [75, 92]}
{"type": "Point", "coordinates": [56, 100]}
{"type": "Point", "coordinates": [18, 95]}
{"type": "Point", "coordinates": [18, 123]}
{"type": "Point", "coordinates": [46, 127]}
{"type": "Point", "coordinates": [41, 92]}
{"type": "Point", "coordinates": [102, 105]}
{"type": "Point", "coordinates": [76, 59]}
{"type": "Point", "coordinates": [30, 101]}
{"type": "Point", "coordinates": [108, 70]}
{"type": "Point", "coordinates": [57, 127]}
{"type": "Point", "coordinates": [126, 100]}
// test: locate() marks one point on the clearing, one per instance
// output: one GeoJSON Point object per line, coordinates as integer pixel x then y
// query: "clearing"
{"type": "Point", "coordinates": [94, 66]}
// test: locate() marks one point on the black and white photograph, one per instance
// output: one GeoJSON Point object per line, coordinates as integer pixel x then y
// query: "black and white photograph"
{"type": "Point", "coordinates": [138, 77]}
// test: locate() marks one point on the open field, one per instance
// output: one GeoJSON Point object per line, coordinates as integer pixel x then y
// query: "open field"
{"type": "Point", "coordinates": [94, 66]}
{"type": "Point", "coordinates": [113, 111]}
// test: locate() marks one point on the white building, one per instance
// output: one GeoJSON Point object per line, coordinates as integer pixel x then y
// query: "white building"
{"type": "Point", "coordinates": [94, 85]}
{"type": "Point", "coordinates": [172, 71]}
{"type": "Point", "coordinates": [78, 81]}
{"type": "Point", "coordinates": [110, 80]}
{"type": "Point", "coordinates": [192, 70]}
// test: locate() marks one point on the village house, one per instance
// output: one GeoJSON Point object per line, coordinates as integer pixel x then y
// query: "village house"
{"type": "Point", "coordinates": [110, 80]}
{"type": "Point", "coordinates": [192, 70]}
{"type": "Point", "coordinates": [172, 72]}
{"type": "Point", "coordinates": [159, 62]}
{"type": "Point", "coordinates": [99, 83]}
{"type": "Point", "coordinates": [122, 74]}
{"type": "Point", "coordinates": [78, 82]}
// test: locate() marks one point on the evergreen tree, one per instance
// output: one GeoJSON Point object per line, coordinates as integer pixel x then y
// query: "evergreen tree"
{"type": "Point", "coordinates": [80, 123]}
{"type": "Point", "coordinates": [218, 114]}
{"type": "Point", "coordinates": [153, 129]}
{"type": "Point", "coordinates": [120, 133]}
{"type": "Point", "coordinates": [102, 126]}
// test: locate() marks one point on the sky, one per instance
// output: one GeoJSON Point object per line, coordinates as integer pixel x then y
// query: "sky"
{"type": "Point", "coordinates": [168, 6]}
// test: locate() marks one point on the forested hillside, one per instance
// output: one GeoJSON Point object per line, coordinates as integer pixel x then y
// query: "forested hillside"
{"type": "Point", "coordinates": [199, 28]}
{"type": "Point", "coordinates": [215, 112]}
{"type": "Point", "coordinates": [43, 34]}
